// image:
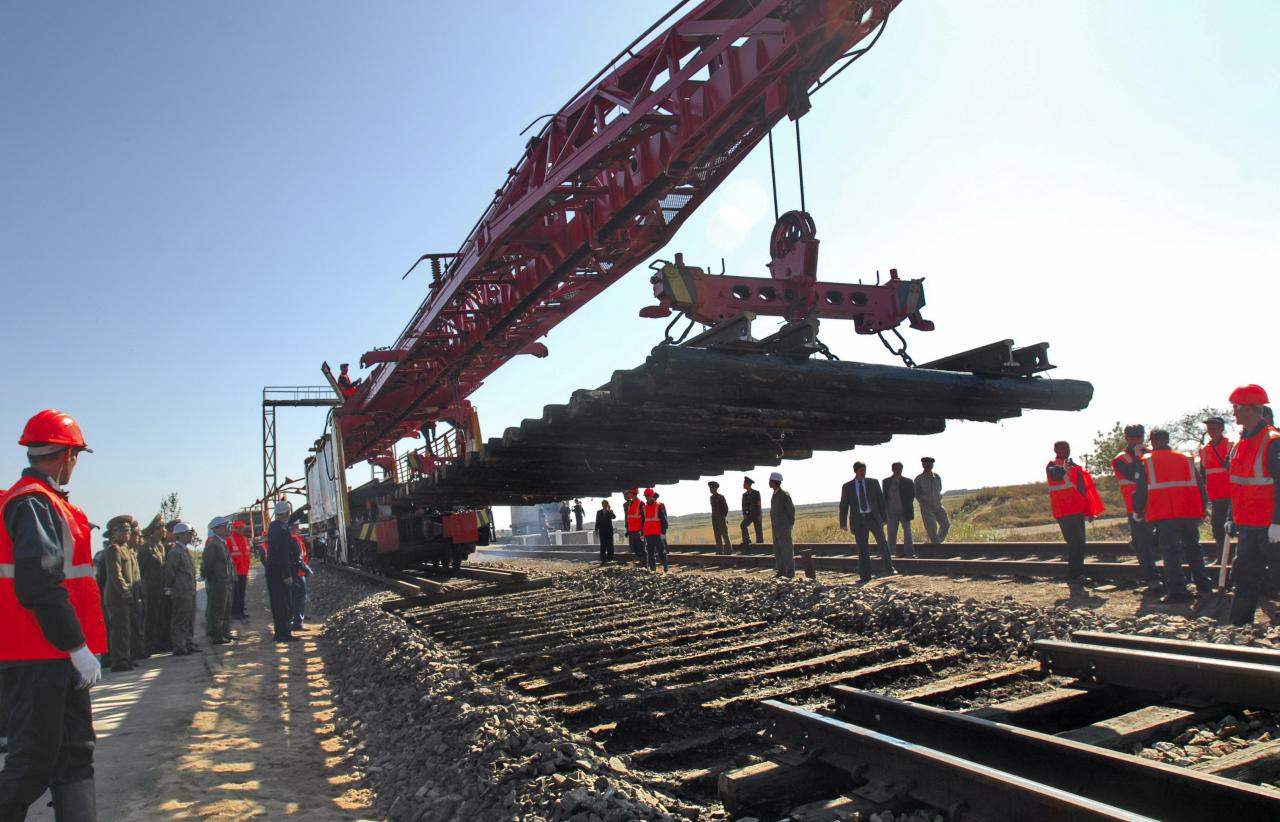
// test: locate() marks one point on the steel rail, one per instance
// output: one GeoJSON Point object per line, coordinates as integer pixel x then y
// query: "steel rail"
{"type": "Point", "coordinates": [1211, 650]}
{"type": "Point", "coordinates": [1173, 676]}
{"type": "Point", "coordinates": [933, 777]}
{"type": "Point", "coordinates": [1155, 789]}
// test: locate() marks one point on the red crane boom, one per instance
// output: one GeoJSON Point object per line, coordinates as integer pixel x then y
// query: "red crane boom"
{"type": "Point", "coordinates": [605, 184]}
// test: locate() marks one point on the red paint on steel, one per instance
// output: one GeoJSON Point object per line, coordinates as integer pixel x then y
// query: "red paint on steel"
{"type": "Point", "coordinates": [603, 186]}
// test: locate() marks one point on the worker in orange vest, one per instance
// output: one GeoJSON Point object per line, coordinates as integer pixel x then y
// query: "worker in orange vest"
{"type": "Point", "coordinates": [633, 511]}
{"type": "Point", "coordinates": [1126, 466]}
{"type": "Point", "coordinates": [654, 528]}
{"type": "Point", "coordinates": [1170, 495]}
{"type": "Point", "coordinates": [238, 544]}
{"type": "Point", "coordinates": [345, 383]}
{"type": "Point", "coordinates": [1073, 499]}
{"type": "Point", "coordinates": [1252, 467]}
{"type": "Point", "coordinates": [298, 594]}
{"type": "Point", "coordinates": [1213, 467]}
{"type": "Point", "coordinates": [51, 628]}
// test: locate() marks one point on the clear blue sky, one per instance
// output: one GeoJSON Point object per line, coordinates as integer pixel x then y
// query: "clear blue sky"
{"type": "Point", "coordinates": [204, 198]}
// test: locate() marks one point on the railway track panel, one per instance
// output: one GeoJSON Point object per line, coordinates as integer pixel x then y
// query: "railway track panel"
{"type": "Point", "coordinates": [1129, 690]}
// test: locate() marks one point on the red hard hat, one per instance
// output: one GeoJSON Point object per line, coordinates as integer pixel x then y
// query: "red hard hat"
{"type": "Point", "coordinates": [649, 492]}
{"type": "Point", "coordinates": [635, 492]}
{"type": "Point", "coordinates": [1249, 395]}
{"type": "Point", "coordinates": [50, 427]}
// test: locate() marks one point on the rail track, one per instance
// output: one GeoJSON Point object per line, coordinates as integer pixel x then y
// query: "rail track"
{"type": "Point", "coordinates": [1105, 561]}
{"type": "Point", "coordinates": [800, 720]}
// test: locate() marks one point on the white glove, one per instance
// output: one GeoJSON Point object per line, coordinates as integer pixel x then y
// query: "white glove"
{"type": "Point", "coordinates": [1273, 533]}
{"type": "Point", "coordinates": [288, 580]}
{"type": "Point", "coordinates": [87, 666]}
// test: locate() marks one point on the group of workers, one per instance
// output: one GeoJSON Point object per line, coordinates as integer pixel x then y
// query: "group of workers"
{"type": "Point", "coordinates": [1167, 494]}
{"type": "Point", "coordinates": [61, 612]}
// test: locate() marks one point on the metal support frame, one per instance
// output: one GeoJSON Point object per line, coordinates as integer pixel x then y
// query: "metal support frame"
{"type": "Point", "coordinates": [277, 396]}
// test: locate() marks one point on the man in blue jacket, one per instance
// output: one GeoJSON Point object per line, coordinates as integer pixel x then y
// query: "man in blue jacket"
{"type": "Point", "coordinates": [283, 564]}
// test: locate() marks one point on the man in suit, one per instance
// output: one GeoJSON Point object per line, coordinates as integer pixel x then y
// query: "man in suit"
{"type": "Point", "coordinates": [862, 506]}
{"type": "Point", "coordinates": [900, 506]}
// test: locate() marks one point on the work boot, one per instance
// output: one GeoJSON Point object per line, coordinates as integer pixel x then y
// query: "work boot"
{"type": "Point", "coordinates": [75, 802]}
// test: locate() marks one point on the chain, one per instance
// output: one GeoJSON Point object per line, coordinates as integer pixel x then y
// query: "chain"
{"type": "Point", "coordinates": [823, 350]}
{"type": "Point", "coordinates": [901, 352]}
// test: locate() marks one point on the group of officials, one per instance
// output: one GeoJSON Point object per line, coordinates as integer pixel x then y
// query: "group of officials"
{"type": "Point", "coordinates": [53, 599]}
{"type": "Point", "coordinates": [1167, 494]}
{"type": "Point", "coordinates": [147, 580]}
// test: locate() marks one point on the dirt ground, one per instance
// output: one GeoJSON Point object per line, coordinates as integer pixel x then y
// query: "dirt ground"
{"type": "Point", "coordinates": [241, 731]}
{"type": "Point", "coordinates": [1111, 600]}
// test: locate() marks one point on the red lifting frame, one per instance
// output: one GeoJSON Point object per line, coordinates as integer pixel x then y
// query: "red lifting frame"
{"type": "Point", "coordinates": [601, 188]}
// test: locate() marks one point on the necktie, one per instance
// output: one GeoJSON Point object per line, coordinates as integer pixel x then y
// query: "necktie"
{"type": "Point", "coordinates": [863, 506]}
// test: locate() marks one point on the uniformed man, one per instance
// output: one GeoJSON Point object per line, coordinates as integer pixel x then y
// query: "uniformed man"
{"type": "Point", "coordinates": [51, 627]}
{"type": "Point", "coordinates": [151, 562]}
{"type": "Point", "coordinates": [119, 569]}
{"type": "Point", "coordinates": [654, 528]}
{"type": "Point", "coordinates": [720, 519]}
{"type": "Point", "coordinates": [1213, 467]}
{"type": "Point", "coordinates": [578, 513]}
{"type": "Point", "coordinates": [138, 613]}
{"type": "Point", "coordinates": [633, 512]}
{"type": "Point", "coordinates": [1069, 500]}
{"type": "Point", "coordinates": [604, 530]}
{"type": "Point", "coordinates": [238, 543]}
{"type": "Point", "coordinates": [782, 517]}
{"type": "Point", "coordinates": [180, 587]}
{"type": "Point", "coordinates": [928, 488]}
{"type": "Point", "coordinates": [1252, 469]}
{"type": "Point", "coordinates": [281, 569]}
{"type": "Point", "coordinates": [1170, 494]}
{"type": "Point", "coordinates": [751, 512]}
{"type": "Point", "coordinates": [218, 572]}
{"type": "Point", "coordinates": [1126, 466]}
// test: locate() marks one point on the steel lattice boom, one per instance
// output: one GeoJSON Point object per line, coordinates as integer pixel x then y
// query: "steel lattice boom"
{"type": "Point", "coordinates": [604, 185]}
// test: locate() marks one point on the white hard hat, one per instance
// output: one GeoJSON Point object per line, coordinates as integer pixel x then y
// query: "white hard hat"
{"type": "Point", "coordinates": [776, 476]}
{"type": "Point", "coordinates": [283, 507]}
{"type": "Point", "coordinates": [218, 522]}
{"type": "Point", "coordinates": [181, 528]}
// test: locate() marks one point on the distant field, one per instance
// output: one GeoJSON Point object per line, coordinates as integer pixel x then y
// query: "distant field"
{"type": "Point", "coordinates": [1006, 512]}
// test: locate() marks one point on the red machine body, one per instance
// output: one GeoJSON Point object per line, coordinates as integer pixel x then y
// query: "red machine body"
{"type": "Point", "coordinates": [604, 185]}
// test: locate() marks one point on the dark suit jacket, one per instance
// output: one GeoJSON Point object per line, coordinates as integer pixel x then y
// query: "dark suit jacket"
{"type": "Point", "coordinates": [907, 493]}
{"type": "Point", "coordinates": [849, 512]}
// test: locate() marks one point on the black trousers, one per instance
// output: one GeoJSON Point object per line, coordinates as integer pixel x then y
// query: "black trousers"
{"type": "Point", "coordinates": [606, 545]}
{"type": "Point", "coordinates": [1218, 519]}
{"type": "Point", "coordinates": [720, 527]}
{"type": "Point", "coordinates": [281, 606]}
{"type": "Point", "coordinates": [863, 528]}
{"type": "Point", "coordinates": [1179, 541]}
{"type": "Point", "coordinates": [637, 547]}
{"type": "Point", "coordinates": [747, 521]}
{"type": "Point", "coordinates": [237, 595]}
{"type": "Point", "coordinates": [1073, 533]}
{"type": "Point", "coordinates": [51, 737]}
{"type": "Point", "coordinates": [1249, 571]}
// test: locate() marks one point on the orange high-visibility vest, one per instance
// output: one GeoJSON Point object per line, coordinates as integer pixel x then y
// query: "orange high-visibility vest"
{"type": "Point", "coordinates": [1213, 460]}
{"type": "Point", "coordinates": [20, 636]}
{"type": "Point", "coordinates": [1064, 495]}
{"type": "Point", "coordinates": [634, 516]}
{"type": "Point", "coordinates": [1252, 486]}
{"type": "Point", "coordinates": [1127, 486]}
{"type": "Point", "coordinates": [238, 545]}
{"type": "Point", "coordinates": [652, 522]}
{"type": "Point", "coordinates": [1173, 492]}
